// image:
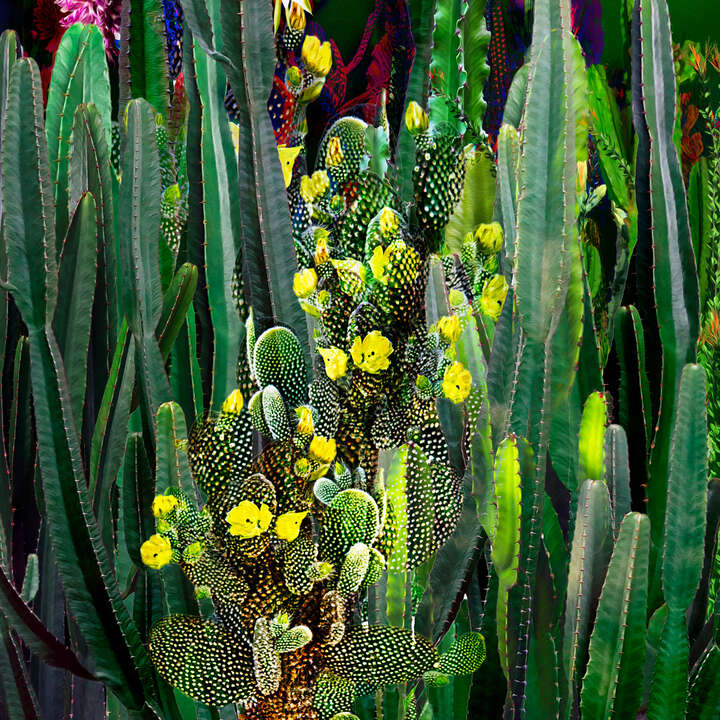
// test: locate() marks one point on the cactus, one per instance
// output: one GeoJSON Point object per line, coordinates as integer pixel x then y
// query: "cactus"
{"type": "Point", "coordinates": [331, 416]}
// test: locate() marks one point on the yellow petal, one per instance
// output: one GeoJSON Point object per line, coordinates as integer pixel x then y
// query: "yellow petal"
{"type": "Point", "coordinates": [287, 161]}
{"type": "Point", "coordinates": [156, 552]}
{"type": "Point", "coordinates": [287, 526]}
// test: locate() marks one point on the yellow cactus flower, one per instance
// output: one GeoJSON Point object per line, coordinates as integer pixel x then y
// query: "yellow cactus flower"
{"type": "Point", "coordinates": [389, 222]}
{"type": "Point", "coordinates": [322, 252]}
{"type": "Point", "coordinates": [156, 552]}
{"type": "Point", "coordinates": [317, 56]}
{"type": "Point", "coordinates": [456, 383]}
{"type": "Point", "coordinates": [306, 425]}
{"type": "Point", "coordinates": [233, 403]}
{"type": "Point", "coordinates": [336, 361]}
{"type": "Point", "coordinates": [489, 237]}
{"type": "Point", "coordinates": [323, 449]}
{"type": "Point", "coordinates": [372, 354]}
{"type": "Point", "coordinates": [163, 505]}
{"type": "Point", "coordinates": [247, 520]}
{"type": "Point", "coordinates": [314, 186]}
{"type": "Point", "coordinates": [378, 262]}
{"type": "Point", "coordinates": [416, 119]}
{"type": "Point", "coordinates": [287, 526]}
{"type": "Point", "coordinates": [305, 283]}
{"type": "Point", "coordinates": [351, 274]}
{"type": "Point", "coordinates": [449, 328]}
{"type": "Point", "coordinates": [287, 161]}
{"type": "Point", "coordinates": [296, 16]}
{"type": "Point", "coordinates": [493, 296]}
{"type": "Point", "coordinates": [334, 154]}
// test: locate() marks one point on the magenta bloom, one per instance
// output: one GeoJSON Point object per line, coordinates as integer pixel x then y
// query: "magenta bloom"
{"type": "Point", "coordinates": [103, 13]}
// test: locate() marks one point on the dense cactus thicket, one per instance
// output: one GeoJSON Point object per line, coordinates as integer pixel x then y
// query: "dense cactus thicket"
{"type": "Point", "coordinates": [357, 362]}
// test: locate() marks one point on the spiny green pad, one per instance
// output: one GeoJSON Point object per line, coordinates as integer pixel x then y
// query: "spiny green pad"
{"type": "Point", "coordinates": [298, 559]}
{"type": "Point", "coordinates": [217, 446]}
{"type": "Point", "coordinates": [465, 656]}
{"type": "Point", "coordinates": [352, 517]}
{"type": "Point", "coordinates": [266, 660]}
{"type": "Point", "coordinates": [203, 660]}
{"type": "Point", "coordinates": [382, 655]}
{"type": "Point", "coordinates": [278, 360]}
{"type": "Point", "coordinates": [325, 490]}
{"type": "Point", "coordinates": [275, 413]}
{"type": "Point", "coordinates": [333, 694]}
{"type": "Point", "coordinates": [293, 639]}
{"type": "Point", "coordinates": [354, 569]}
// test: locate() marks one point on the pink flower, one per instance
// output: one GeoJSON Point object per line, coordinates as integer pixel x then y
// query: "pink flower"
{"type": "Point", "coordinates": [103, 13]}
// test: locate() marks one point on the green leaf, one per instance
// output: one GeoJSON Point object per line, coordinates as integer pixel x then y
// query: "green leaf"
{"type": "Point", "coordinates": [591, 548]}
{"type": "Point", "coordinates": [76, 286]}
{"type": "Point", "coordinates": [674, 272]}
{"type": "Point", "coordinates": [80, 75]}
{"type": "Point", "coordinates": [685, 518]}
{"type": "Point", "coordinates": [15, 686]}
{"type": "Point", "coordinates": [28, 210]}
{"type": "Point", "coordinates": [617, 645]}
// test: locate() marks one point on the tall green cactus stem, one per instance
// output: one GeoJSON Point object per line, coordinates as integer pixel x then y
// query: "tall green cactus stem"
{"type": "Point", "coordinates": [674, 271]}
{"type": "Point", "coordinates": [90, 587]}
{"type": "Point", "coordinates": [617, 645]}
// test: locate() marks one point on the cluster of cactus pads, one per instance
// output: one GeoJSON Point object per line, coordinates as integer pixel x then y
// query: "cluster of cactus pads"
{"type": "Point", "coordinates": [289, 538]}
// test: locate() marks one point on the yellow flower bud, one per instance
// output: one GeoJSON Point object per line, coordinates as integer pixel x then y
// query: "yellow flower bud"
{"type": "Point", "coordinates": [305, 282]}
{"type": "Point", "coordinates": [449, 328]}
{"type": "Point", "coordinates": [163, 505]}
{"type": "Point", "coordinates": [456, 383]}
{"type": "Point", "coordinates": [334, 154]}
{"type": "Point", "coordinates": [293, 77]}
{"type": "Point", "coordinates": [317, 56]}
{"type": "Point", "coordinates": [287, 526]}
{"type": "Point", "coordinates": [156, 552]}
{"type": "Point", "coordinates": [335, 362]}
{"type": "Point", "coordinates": [416, 119]}
{"type": "Point", "coordinates": [323, 449]}
{"type": "Point", "coordinates": [489, 237]}
{"type": "Point", "coordinates": [306, 425]}
{"type": "Point", "coordinates": [389, 222]}
{"type": "Point", "coordinates": [296, 17]}
{"type": "Point", "coordinates": [378, 262]}
{"type": "Point", "coordinates": [233, 403]}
